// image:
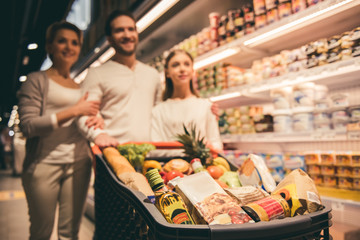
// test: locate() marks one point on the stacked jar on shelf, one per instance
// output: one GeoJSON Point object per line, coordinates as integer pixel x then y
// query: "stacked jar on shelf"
{"type": "Point", "coordinates": [334, 169]}
{"type": "Point", "coordinates": [243, 120]}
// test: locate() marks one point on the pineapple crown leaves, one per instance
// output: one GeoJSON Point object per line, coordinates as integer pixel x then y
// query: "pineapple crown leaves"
{"type": "Point", "coordinates": [194, 146]}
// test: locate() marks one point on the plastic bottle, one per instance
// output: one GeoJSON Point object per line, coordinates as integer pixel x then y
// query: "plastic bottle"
{"type": "Point", "coordinates": [196, 165]}
{"type": "Point", "coordinates": [169, 203]}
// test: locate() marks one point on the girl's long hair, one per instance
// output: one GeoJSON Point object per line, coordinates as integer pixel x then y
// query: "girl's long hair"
{"type": "Point", "coordinates": [169, 86]}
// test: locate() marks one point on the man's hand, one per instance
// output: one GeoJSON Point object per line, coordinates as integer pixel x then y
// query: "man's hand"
{"type": "Point", "coordinates": [103, 140]}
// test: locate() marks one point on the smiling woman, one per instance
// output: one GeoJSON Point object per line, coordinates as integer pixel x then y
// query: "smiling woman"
{"type": "Point", "coordinates": [57, 163]}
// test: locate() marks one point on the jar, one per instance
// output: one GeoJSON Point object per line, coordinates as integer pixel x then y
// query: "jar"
{"type": "Point", "coordinates": [321, 116]}
{"type": "Point", "coordinates": [284, 9]}
{"type": "Point", "coordinates": [330, 181]}
{"type": "Point", "coordinates": [248, 13]}
{"type": "Point", "coordinates": [303, 119]}
{"type": "Point", "coordinates": [298, 5]}
{"type": "Point", "coordinates": [259, 7]}
{"type": "Point", "coordinates": [340, 114]}
{"type": "Point", "coordinates": [281, 98]}
{"type": "Point", "coordinates": [340, 126]}
{"type": "Point", "coordinates": [260, 21]}
{"type": "Point", "coordinates": [303, 95]}
{"type": "Point", "coordinates": [282, 120]}
{"type": "Point", "coordinates": [320, 92]}
{"type": "Point", "coordinates": [272, 15]}
{"type": "Point", "coordinates": [340, 100]}
{"type": "Point", "coordinates": [322, 105]}
{"type": "Point", "coordinates": [270, 4]}
{"type": "Point", "coordinates": [324, 125]}
{"type": "Point", "coordinates": [355, 113]}
{"type": "Point", "coordinates": [343, 171]}
{"type": "Point", "coordinates": [214, 19]}
{"type": "Point", "coordinates": [345, 183]}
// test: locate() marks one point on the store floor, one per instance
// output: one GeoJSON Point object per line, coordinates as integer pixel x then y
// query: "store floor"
{"type": "Point", "coordinates": [14, 222]}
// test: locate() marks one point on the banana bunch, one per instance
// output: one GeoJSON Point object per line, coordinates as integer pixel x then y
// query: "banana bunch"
{"type": "Point", "coordinates": [222, 163]}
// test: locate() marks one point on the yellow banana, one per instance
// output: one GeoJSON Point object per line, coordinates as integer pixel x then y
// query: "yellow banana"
{"type": "Point", "coordinates": [219, 161]}
{"type": "Point", "coordinates": [222, 167]}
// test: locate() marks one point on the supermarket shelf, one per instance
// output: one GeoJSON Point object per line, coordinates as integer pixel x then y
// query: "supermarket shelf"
{"type": "Point", "coordinates": [323, 20]}
{"type": "Point", "coordinates": [347, 70]}
{"type": "Point", "coordinates": [341, 195]}
{"type": "Point", "coordinates": [329, 136]}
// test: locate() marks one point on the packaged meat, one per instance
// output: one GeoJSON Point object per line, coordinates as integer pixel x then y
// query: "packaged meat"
{"type": "Point", "coordinates": [246, 194]}
{"type": "Point", "coordinates": [210, 200]}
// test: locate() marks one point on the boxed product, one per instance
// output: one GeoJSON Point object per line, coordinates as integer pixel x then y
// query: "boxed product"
{"type": "Point", "coordinates": [254, 172]}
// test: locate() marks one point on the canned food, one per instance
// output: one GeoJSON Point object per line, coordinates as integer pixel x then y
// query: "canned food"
{"type": "Point", "coordinates": [268, 208]}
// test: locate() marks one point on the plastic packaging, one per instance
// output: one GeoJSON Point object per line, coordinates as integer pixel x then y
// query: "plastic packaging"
{"type": "Point", "coordinates": [281, 98]}
{"type": "Point", "coordinates": [303, 95]}
{"type": "Point", "coordinates": [303, 119]}
{"type": "Point", "coordinates": [282, 120]}
{"type": "Point", "coordinates": [340, 100]}
{"type": "Point", "coordinates": [320, 92]}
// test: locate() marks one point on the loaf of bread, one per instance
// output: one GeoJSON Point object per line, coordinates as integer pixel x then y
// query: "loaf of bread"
{"type": "Point", "coordinates": [136, 181]}
{"type": "Point", "coordinates": [118, 163]}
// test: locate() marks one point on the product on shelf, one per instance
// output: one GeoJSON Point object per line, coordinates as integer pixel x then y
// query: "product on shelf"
{"type": "Point", "coordinates": [275, 163]}
{"type": "Point", "coordinates": [281, 98]}
{"type": "Point", "coordinates": [282, 120]}
{"type": "Point", "coordinates": [302, 119]}
{"type": "Point", "coordinates": [293, 161]}
{"type": "Point", "coordinates": [303, 95]}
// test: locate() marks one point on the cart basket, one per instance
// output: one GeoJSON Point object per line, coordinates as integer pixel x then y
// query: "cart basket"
{"type": "Point", "coordinates": [122, 213]}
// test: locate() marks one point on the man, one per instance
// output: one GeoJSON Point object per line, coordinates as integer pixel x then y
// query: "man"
{"type": "Point", "coordinates": [126, 87]}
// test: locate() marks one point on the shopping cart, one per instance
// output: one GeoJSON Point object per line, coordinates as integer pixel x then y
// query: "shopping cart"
{"type": "Point", "coordinates": [122, 213]}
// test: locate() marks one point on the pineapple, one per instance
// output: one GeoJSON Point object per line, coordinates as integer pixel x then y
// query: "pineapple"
{"type": "Point", "coordinates": [193, 145]}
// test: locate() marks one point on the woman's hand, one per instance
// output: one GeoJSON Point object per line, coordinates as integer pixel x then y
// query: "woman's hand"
{"type": "Point", "coordinates": [86, 108]}
{"type": "Point", "coordinates": [95, 121]}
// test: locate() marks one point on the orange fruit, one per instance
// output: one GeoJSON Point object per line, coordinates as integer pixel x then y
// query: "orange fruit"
{"type": "Point", "coordinates": [215, 171]}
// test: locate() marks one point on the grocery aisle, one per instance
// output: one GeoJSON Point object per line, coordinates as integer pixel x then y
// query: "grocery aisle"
{"type": "Point", "coordinates": [14, 222]}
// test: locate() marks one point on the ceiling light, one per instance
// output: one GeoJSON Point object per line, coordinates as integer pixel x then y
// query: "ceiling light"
{"type": "Point", "coordinates": [216, 57]}
{"type": "Point", "coordinates": [292, 25]}
{"type": "Point", "coordinates": [154, 14]}
{"type": "Point", "coordinates": [107, 55]}
{"type": "Point", "coordinates": [32, 46]}
{"type": "Point", "coordinates": [22, 78]}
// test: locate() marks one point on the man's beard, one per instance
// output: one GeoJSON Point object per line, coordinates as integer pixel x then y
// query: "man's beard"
{"type": "Point", "coordinates": [122, 51]}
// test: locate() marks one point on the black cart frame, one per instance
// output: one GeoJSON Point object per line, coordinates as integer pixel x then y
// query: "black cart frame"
{"type": "Point", "coordinates": [122, 213]}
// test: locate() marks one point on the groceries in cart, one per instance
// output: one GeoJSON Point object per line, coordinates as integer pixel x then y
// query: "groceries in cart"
{"type": "Point", "coordinates": [203, 188]}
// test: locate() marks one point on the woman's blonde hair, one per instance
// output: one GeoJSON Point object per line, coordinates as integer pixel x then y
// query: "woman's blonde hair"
{"type": "Point", "coordinates": [55, 27]}
{"type": "Point", "coordinates": [169, 86]}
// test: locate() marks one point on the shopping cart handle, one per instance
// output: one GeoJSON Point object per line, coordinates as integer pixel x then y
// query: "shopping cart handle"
{"type": "Point", "coordinates": [160, 145]}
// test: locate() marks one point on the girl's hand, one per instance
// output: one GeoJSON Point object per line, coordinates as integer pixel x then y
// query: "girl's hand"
{"type": "Point", "coordinates": [86, 108]}
{"type": "Point", "coordinates": [215, 110]}
{"type": "Point", "coordinates": [95, 121]}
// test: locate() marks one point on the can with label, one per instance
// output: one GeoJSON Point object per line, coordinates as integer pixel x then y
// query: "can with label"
{"type": "Point", "coordinates": [268, 208]}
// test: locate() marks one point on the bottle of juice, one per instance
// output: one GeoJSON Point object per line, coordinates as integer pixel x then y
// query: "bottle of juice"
{"type": "Point", "coordinates": [169, 203]}
{"type": "Point", "coordinates": [196, 165]}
